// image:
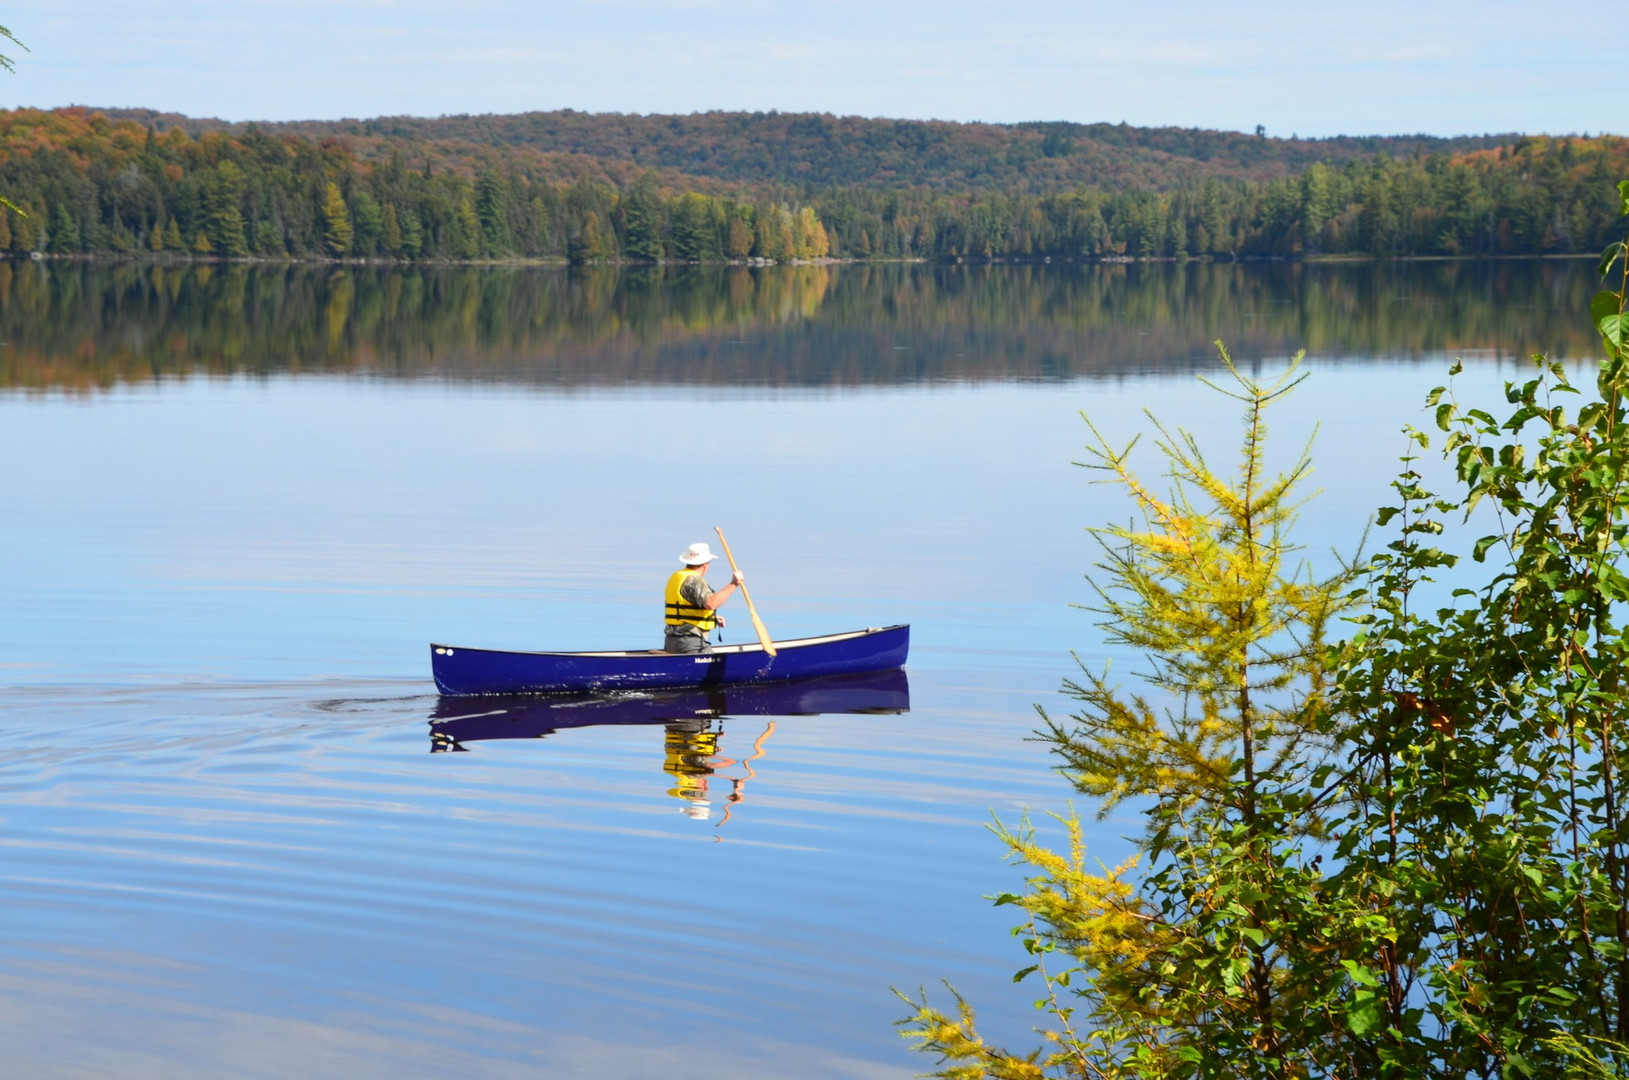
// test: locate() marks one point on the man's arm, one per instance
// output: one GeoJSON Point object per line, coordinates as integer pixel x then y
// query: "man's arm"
{"type": "Point", "coordinates": [715, 600]}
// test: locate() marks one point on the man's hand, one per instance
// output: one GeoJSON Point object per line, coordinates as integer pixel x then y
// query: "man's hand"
{"type": "Point", "coordinates": [720, 619]}
{"type": "Point", "coordinates": [737, 579]}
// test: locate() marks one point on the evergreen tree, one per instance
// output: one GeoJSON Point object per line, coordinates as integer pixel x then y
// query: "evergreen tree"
{"type": "Point", "coordinates": [222, 217]}
{"type": "Point", "coordinates": [467, 235]}
{"type": "Point", "coordinates": [367, 222]}
{"type": "Point", "coordinates": [269, 239]}
{"type": "Point", "coordinates": [538, 222]}
{"type": "Point", "coordinates": [155, 237]}
{"type": "Point", "coordinates": [64, 229]}
{"type": "Point", "coordinates": [739, 243]}
{"type": "Point", "coordinates": [412, 234]}
{"type": "Point", "coordinates": [492, 195]}
{"type": "Point", "coordinates": [763, 240]}
{"type": "Point", "coordinates": [695, 235]}
{"type": "Point", "coordinates": [336, 221]}
{"type": "Point", "coordinates": [390, 231]}
{"type": "Point", "coordinates": [642, 221]}
{"type": "Point", "coordinates": [172, 236]}
{"type": "Point", "coordinates": [1319, 199]}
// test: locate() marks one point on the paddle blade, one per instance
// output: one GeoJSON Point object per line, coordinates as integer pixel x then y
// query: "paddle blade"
{"type": "Point", "coordinates": [763, 634]}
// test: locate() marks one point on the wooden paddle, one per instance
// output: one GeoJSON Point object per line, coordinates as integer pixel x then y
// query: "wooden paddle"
{"type": "Point", "coordinates": [757, 623]}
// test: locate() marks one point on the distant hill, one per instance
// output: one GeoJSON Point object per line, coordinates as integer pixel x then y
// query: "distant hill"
{"type": "Point", "coordinates": [799, 149]}
{"type": "Point", "coordinates": [772, 187]}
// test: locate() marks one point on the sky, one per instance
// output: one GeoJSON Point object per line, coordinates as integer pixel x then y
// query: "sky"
{"type": "Point", "coordinates": [1442, 67]}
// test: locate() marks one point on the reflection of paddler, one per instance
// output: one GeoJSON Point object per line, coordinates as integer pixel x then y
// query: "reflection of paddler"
{"type": "Point", "coordinates": [692, 756]}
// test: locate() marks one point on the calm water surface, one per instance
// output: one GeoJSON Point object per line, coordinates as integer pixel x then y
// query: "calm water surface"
{"type": "Point", "coordinates": [238, 504]}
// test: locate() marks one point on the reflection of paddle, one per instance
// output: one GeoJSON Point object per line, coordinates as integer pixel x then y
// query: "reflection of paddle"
{"type": "Point", "coordinates": [738, 792]}
{"type": "Point", "coordinates": [757, 623]}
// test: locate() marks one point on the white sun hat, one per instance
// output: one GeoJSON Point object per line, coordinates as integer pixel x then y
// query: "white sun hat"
{"type": "Point", "coordinates": [697, 555]}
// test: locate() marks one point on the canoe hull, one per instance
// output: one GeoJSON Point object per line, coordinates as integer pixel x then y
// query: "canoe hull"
{"type": "Point", "coordinates": [462, 672]}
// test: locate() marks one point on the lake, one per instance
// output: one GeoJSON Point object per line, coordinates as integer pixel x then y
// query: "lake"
{"type": "Point", "coordinates": [240, 501]}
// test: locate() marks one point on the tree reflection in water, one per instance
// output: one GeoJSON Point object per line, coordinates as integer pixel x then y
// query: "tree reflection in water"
{"type": "Point", "coordinates": [90, 325]}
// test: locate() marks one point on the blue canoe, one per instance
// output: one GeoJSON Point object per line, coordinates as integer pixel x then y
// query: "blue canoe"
{"type": "Point", "coordinates": [459, 720]}
{"type": "Point", "coordinates": [459, 671]}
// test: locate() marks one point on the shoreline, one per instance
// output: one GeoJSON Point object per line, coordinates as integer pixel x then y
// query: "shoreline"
{"type": "Point", "coordinates": [560, 262]}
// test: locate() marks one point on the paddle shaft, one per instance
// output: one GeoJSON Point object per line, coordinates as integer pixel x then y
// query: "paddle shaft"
{"type": "Point", "coordinates": [757, 623]}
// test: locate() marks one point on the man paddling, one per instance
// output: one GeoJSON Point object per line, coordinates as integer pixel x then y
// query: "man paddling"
{"type": "Point", "coordinates": [691, 603]}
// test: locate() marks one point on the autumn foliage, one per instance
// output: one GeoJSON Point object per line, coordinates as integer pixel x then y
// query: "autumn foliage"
{"type": "Point", "coordinates": [90, 184]}
{"type": "Point", "coordinates": [721, 187]}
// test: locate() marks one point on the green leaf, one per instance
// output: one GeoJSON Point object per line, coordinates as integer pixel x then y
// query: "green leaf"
{"type": "Point", "coordinates": [1363, 1013]}
{"type": "Point", "coordinates": [1603, 304]}
{"type": "Point", "coordinates": [1612, 331]}
{"type": "Point", "coordinates": [1459, 366]}
{"type": "Point", "coordinates": [1022, 975]}
{"type": "Point", "coordinates": [1480, 551]}
{"type": "Point", "coordinates": [1360, 974]}
{"type": "Point", "coordinates": [1605, 312]}
{"type": "Point", "coordinates": [1623, 195]}
{"type": "Point", "coordinates": [1608, 257]}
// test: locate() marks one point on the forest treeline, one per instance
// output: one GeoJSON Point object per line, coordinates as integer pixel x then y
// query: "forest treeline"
{"type": "Point", "coordinates": [92, 184]}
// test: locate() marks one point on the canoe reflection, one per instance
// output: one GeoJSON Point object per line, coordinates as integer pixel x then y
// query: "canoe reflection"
{"type": "Point", "coordinates": [692, 719]}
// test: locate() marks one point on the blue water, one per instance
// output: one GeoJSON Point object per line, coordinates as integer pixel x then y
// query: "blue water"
{"type": "Point", "coordinates": [228, 849]}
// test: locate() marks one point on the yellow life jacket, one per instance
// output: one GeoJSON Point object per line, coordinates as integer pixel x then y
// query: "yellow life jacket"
{"type": "Point", "coordinates": [681, 612]}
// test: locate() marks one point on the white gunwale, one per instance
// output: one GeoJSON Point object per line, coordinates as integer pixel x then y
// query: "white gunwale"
{"type": "Point", "coordinates": [717, 650]}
